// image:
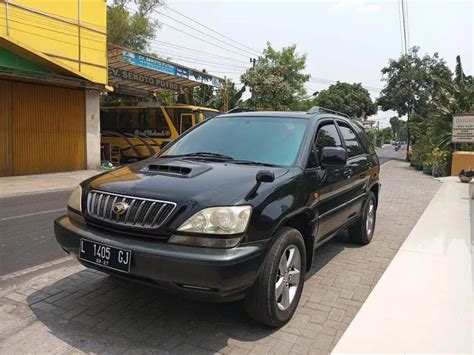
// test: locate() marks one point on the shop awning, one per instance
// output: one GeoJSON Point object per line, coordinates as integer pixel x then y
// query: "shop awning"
{"type": "Point", "coordinates": [139, 74]}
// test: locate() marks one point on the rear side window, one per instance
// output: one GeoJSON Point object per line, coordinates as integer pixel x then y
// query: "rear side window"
{"type": "Point", "coordinates": [327, 136]}
{"type": "Point", "coordinates": [353, 145]}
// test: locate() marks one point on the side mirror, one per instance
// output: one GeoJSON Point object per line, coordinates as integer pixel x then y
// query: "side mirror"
{"type": "Point", "coordinates": [164, 144]}
{"type": "Point", "coordinates": [265, 176]}
{"type": "Point", "coordinates": [333, 157]}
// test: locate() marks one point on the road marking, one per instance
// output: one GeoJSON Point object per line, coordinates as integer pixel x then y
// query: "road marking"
{"type": "Point", "coordinates": [34, 268]}
{"type": "Point", "coordinates": [32, 214]}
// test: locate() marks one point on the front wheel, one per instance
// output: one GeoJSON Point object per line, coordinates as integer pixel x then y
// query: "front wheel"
{"type": "Point", "coordinates": [362, 231]}
{"type": "Point", "coordinates": [273, 298]}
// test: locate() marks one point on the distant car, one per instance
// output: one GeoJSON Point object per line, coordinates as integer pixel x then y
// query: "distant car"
{"type": "Point", "coordinates": [232, 209]}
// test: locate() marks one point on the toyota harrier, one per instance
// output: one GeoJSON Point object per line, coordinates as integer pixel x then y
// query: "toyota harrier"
{"type": "Point", "coordinates": [234, 208]}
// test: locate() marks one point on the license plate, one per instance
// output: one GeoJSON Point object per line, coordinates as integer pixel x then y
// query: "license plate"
{"type": "Point", "coordinates": [105, 256]}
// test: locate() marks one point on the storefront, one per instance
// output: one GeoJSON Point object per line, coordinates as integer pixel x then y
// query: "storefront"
{"type": "Point", "coordinates": [52, 72]}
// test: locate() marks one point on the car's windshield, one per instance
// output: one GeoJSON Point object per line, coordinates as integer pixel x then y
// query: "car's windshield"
{"type": "Point", "coordinates": [269, 140]}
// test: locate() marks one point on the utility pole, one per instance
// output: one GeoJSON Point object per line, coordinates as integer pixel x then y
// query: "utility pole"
{"type": "Point", "coordinates": [225, 96]}
{"type": "Point", "coordinates": [253, 61]}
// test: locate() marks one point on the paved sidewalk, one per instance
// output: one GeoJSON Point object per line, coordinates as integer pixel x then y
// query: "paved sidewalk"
{"type": "Point", "coordinates": [19, 185]}
{"type": "Point", "coordinates": [72, 309]}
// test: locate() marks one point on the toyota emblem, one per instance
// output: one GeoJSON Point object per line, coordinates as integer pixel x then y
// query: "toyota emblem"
{"type": "Point", "coordinates": [120, 208]}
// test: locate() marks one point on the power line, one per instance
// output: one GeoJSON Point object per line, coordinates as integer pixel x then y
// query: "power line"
{"type": "Point", "coordinates": [210, 29]}
{"type": "Point", "coordinates": [203, 40]}
{"type": "Point", "coordinates": [183, 48]}
{"type": "Point", "coordinates": [400, 25]}
{"type": "Point", "coordinates": [408, 23]}
{"type": "Point", "coordinates": [197, 60]}
{"type": "Point", "coordinates": [322, 81]}
{"type": "Point", "coordinates": [202, 32]}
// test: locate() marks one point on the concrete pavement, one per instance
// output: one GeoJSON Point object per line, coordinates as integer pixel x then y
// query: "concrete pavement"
{"type": "Point", "coordinates": [27, 184]}
{"type": "Point", "coordinates": [70, 309]}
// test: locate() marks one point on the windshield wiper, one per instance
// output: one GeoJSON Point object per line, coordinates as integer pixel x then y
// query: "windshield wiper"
{"type": "Point", "coordinates": [200, 155]}
{"type": "Point", "coordinates": [251, 162]}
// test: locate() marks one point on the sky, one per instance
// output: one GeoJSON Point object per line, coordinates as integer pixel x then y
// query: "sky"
{"type": "Point", "coordinates": [345, 40]}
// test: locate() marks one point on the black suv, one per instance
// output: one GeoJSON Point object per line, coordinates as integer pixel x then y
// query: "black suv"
{"type": "Point", "coordinates": [234, 208]}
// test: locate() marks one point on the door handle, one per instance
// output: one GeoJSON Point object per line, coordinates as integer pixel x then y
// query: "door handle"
{"type": "Point", "coordinates": [363, 175]}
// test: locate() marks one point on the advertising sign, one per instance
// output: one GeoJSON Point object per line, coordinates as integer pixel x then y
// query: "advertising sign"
{"type": "Point", "coordinates": [168, 68]}
{"type": "Point", "coordinates": [148, 63]}
{"type": "Point", "coordinates": [463, 129]}
{"type": "Point", "coordinates": [143, 79]}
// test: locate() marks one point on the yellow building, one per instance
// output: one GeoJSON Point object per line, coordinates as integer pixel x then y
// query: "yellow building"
{"type": "Point", "coordinates": [53, 66]}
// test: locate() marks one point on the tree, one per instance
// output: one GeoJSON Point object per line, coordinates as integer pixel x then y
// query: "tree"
{"type": "Point", "coordinates": [351, 99]}
{"type": "Point", "coordinates": [463, 89]}
{"type": "Point", "coordinates": [399, 128]}
{"type": "Point", "coordinates": [416, 86]}
{"type": "Point", "coordinates": [132, 30]}
{"type": "Point", "coordinates": [234, 95]}
{"type": "Point", "coordinates": [277, 79]}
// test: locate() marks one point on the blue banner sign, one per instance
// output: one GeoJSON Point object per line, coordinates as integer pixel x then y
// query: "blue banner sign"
{"type": "Point", "coordinates": [148, 63]}
{"type": "Point", "coordinates": [168, 68]}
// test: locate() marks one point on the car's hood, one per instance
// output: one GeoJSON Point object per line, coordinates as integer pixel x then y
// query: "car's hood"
{"type": "Point", "coordinates": [184, 181]}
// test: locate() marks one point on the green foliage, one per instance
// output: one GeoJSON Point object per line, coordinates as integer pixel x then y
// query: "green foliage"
{"type": "Point", "coordinates": [399, 128]}
{"type": "Point", "coordinates": [386, 135]}
{"type": "Point", "coordinates": [440, 161]}
{"type": "Point", "coordinates": [420, 151]}
{"type": "Point", "coordinates": [351, 99]}
{"type": "Point", "coordinates": [276, 82]}
{"type": "Point", "coordinates": [415, 84]}
{"type": "Point", "coordinates": [234, 96]}
{"type": "Point", "coordinates": [463, 90]}
{"type": "Point", "coordinates": [129, 30]}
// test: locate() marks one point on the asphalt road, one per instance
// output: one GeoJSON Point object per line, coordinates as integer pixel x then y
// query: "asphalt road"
{"type": "Point", "coordinates": [387, 152]}
{"type": "Point", "coordinates": [26, 224]}
{"type": "Point", "coordinates": [26, 230]}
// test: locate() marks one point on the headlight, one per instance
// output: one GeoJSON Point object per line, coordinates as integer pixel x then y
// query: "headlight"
{"type": "Point", "coordinates": [218, 220]}
{"type": "Point", "coordinates": [75, 199]}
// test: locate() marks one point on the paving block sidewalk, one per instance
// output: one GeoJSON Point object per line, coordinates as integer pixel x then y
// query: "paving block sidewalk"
{"type": "Point", "coordinates": [18, 185]}
{"type": "Point", "coordinates": [72, 309]}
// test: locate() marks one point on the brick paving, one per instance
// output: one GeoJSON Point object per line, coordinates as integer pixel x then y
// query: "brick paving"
{"type": "Point", "coordinates": [73, 309]}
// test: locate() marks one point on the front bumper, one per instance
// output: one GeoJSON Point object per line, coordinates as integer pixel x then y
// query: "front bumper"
{"type": "Point", "coordinates": [204, 273]}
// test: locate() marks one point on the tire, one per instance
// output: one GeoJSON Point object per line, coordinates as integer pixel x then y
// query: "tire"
{"type": "Point", "coordinates": [360, 232]}
{"type": "Point", "coordinates": [264, 302]}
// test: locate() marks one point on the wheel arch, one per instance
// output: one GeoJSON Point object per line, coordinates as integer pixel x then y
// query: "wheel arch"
{"type": "Point", "coordinates": [302, 222]}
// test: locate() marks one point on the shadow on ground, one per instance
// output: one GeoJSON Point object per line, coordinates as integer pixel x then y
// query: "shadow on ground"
{"type": "Point", "coordinates": [93, 312]}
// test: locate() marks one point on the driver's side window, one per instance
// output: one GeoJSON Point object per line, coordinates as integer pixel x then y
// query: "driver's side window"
{"type": "Point", "coordinates": [327, 136]}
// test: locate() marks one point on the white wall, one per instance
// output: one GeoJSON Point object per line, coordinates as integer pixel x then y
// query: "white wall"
{"type": "Point", "coordinates": [93, 128]}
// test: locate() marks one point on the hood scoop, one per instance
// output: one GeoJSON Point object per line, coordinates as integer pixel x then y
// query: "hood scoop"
{"type": "Point", "coordinates": [177, 169]}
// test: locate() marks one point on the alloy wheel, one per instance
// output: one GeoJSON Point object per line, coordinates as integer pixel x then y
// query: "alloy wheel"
{"type": "Point", "coordinates": [370, 219]}
{"type": "Point", "coordinates": [288, 277]}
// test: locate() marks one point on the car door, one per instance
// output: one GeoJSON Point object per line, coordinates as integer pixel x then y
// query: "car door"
{"type": "Point", "coordinates": [328, 184]}
{"type": "Point", "coordinates": [357, 167]}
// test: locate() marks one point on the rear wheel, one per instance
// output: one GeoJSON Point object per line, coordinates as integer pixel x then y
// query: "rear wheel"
{"type": "Point", "coordinates": [273, 298]}
{"type": "Point", "coordinates": [362, 231]}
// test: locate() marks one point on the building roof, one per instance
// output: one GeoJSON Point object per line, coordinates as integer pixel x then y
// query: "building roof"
{"type": "Point", "coordinates": [142, 73]}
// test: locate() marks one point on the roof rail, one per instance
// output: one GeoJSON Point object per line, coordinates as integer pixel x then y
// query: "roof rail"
{"type": "Point", "coordinates": [316, 109]}
{"type": "Point", "coordinates": [238, 109]}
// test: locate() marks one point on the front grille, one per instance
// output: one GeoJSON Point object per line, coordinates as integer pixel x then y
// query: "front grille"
{"type": "Point", "coordinates": [141, 212]}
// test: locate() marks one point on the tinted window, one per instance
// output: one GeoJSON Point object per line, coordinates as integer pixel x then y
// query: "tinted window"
{"type": "Point", "coordinates": [149, 121]}
{"type": "Point", "coordinates": [271, 140]}
{"type": "Point", "coordinates": [209, 114]}
{"type": "Point", "coordinates": [353, 145]}
{"type": "Point", "coordinates": [327, 137]}
{"type": "Point", "coordinates": [175, 115]}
